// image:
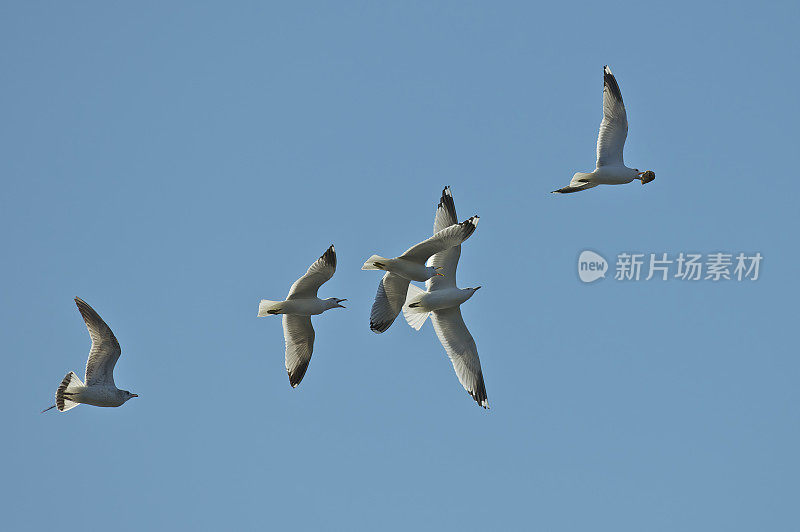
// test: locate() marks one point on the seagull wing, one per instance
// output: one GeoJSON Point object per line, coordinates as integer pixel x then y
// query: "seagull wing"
{"type": "Point", "coordinates": [299, 337]}
{"type": "Point", "coordinates": [105, 349]}
{"type": "Point", "coordinates": [445, 212]}
{"type": "Point", "coordinates": [442, 240]}
{"type": "Point", "coordinates": [447, 259]}
{"type": "Point", "coordinates": [463, 353]}
{"type": "Point", "coordinates": [448, 262]}
{"type": "Point", "coordinates": [614, 127]}
{"type": "Point", "coordinates": [318, 273]}
{"type": "Point", "coordinates": [389, 301]}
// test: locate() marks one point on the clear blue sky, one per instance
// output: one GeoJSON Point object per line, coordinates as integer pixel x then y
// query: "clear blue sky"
{"type": "Point", "coordinates": [172, 165]}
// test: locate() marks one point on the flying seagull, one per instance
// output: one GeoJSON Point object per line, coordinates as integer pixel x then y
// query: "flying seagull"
{"type": "Point", "coordinates": [442, 302]}
{"type": "Point", "coordinates": [410, 266]}
{"type": "Point", "coordinates": [611, 169]}
{"type": "Point", "coordinates": [302, 303]}
{"type": "Point", "coordinates": [99, 389]}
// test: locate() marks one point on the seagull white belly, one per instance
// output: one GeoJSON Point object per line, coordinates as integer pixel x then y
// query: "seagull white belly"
{"type": "Point", "coordinates": [440, 299]}
{"type": "Point", "coordinates": [303, 307]}
{"type": "Point", "coordinates": [99, 396]}
{"type": "Point", "coordinates": [613, 175]}
{"type": "Point", "coordinates": [408, 269]}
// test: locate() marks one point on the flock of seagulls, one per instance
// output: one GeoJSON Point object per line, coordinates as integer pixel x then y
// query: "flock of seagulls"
{"type": "Point", "coordinates": [432, 261]}
{"type": "Point", "coordinates": [410, 266]}
{"type": "Point", "coordinates": [442, 298]}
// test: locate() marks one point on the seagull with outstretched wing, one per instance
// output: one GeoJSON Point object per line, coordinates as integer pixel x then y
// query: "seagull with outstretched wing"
{"type": "Point", "coordinates": [302, 303]}
{"type": "Point", "coordinates": [611, 169]}
{"type": "Point", "coordinates": [99, 388]}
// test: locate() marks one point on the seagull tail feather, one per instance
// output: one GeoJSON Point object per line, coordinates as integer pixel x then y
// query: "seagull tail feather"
{"type": "Point", "coordinates": [414, 316]}
{"type": "Point", "coordinates": [570, 188]}
{"type": "Point", "coordinates": [371, 263]}
{"type": "Point", "coordinates": [69, 386]}
{"type": "Point", "coordinates": [268, 308]}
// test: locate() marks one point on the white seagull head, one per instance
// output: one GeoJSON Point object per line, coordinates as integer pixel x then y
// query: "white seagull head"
{"type": "Point", "coordinates": [433, 271]}
{"type": "Point", "coordinates": [335, 302]}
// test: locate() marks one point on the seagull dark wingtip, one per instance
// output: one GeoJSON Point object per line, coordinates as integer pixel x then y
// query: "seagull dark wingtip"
{"type": "Point", "coordinates": [330, 256]}
{"type": "Point", "coordinates": [611, 82]}
{"type": "Point", "coordinates": [294, 380]}
{"type": "Point", "coordinates": [378, 328]}
{"type": "Point", "coordinates": [446, 202]}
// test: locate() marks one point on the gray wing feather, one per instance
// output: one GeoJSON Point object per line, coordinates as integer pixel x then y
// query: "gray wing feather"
{"type": "Point", "coordinates": [445, 212]}
{"type": "Point", "coordinates": [105, 349]}
{"type": "Point", "coordinates": [389, 301]}
{"type": "Point", "coordinates": [463, 353]}
{"type": "Point", "coordinates": [318, 273]}
{"type": "Point", "coordinates": [442, 240]}
{"type": "Point", "coordinates": [614, 127]}
{"type": "Point", "coordinates": [298, 334]}
{"type": "Point", "coordinates": [448, 262]}
{"type": "Point", "coordinates": [447, 259]}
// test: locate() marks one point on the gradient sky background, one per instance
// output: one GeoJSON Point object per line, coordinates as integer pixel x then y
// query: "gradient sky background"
{"type": "Point", "coordinates": [173, 164]}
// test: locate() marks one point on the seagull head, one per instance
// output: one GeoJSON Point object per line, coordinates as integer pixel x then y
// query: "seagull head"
{"type": "Point", "coordinates": [335, 302]}
{"type": "Point", "coordinates": [128, 395]}
{"type": "Point", "coordinates": [434, 271]}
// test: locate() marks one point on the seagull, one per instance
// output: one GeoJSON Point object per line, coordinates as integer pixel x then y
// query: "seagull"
{"type": "Point", "coordinates": [410, 266]}
{"type": "Point", "coordinates": [611, 169]}
{"type": "Point", "coordinates": [99, 389]}
{"type": "Point", "coordinates": [442, 301]}
{"type": "Point", "coordinates": [302, 303]}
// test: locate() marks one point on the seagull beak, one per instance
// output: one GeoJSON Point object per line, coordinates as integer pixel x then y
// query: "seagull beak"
{"type": "Point", "coordinates": [134, 395]}
{"type": "Point", "coordinates": [339, 303]}
{"type": "Point", "coordinates": [437, 273]}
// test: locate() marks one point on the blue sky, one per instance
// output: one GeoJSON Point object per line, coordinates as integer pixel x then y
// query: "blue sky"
{"type": "Point", "coordinates": [173, 164]}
